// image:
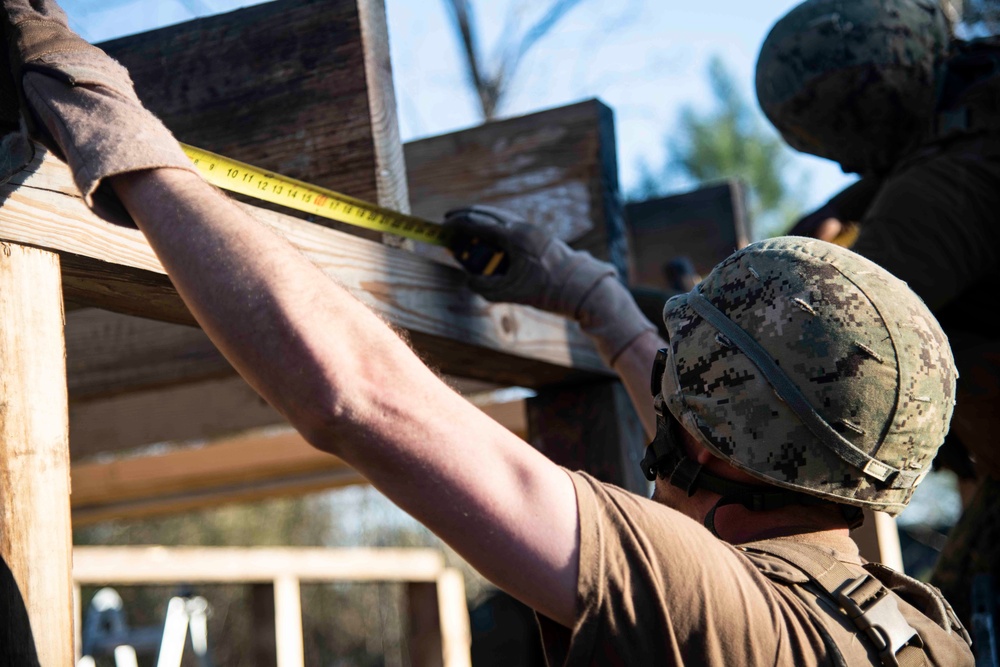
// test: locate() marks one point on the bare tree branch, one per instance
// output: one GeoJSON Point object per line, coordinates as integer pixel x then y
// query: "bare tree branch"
{"type": "Point", "coordinates": [464, 25]}
{"type": "Point", "coordinates": [491, 87]}
{"type": "Point", "coordinates": [542, 27]}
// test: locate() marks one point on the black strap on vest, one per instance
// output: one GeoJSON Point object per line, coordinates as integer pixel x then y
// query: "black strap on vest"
{"type": "Point", "coordinates": [863, 599]}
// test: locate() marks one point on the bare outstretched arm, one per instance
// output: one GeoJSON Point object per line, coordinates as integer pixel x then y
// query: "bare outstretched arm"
{"type": "Point", "coordinates": [353, 388]}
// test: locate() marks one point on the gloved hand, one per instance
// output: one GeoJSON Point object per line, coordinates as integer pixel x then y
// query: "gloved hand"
{"type": "Point", "coordinates": [79, 102]}
{"type": "Point", "coordinates": [546, 273]}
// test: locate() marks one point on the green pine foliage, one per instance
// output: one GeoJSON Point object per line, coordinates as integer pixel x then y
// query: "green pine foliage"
{"type": "Point", "coordinates": [729, 140]}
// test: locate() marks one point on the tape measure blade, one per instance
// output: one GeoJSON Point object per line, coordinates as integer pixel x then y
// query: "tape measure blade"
{"type": "Point", "coordinates": [250, 181]}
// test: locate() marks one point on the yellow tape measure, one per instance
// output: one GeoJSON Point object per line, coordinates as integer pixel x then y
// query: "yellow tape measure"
{"type": "Point", "coordinates": [245, 179]}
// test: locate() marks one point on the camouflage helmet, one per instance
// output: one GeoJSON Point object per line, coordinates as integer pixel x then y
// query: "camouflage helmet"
{"type": "Point", "coordinates": [813, 369]}
{"type": "Point", "coordinates": [853, 80]}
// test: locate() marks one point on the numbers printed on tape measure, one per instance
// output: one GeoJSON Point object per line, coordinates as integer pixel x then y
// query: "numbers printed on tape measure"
{"type": "Point", "coordinates": [245, 179]}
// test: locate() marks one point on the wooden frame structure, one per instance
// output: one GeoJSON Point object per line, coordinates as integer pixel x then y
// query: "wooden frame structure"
{"type": "Point", "coordinates": [129, 353]}
{"type": "Point", "coordinates": [437, 589]}
{"type": "Point", "coordinates": [158, 378]}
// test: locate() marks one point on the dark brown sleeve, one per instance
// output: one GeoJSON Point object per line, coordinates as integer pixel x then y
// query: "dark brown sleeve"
{"type": "Point", "coordinates": [936, 225]}
{"type": "Point", "coordinates": [848, 205]}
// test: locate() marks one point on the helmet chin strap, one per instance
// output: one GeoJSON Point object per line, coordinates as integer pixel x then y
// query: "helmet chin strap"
{"type": "Point", "coordinates": [665, 457]}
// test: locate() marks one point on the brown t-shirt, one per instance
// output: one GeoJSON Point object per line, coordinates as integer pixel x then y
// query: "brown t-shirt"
{"type": "Point", "coordinates": [656, 587]}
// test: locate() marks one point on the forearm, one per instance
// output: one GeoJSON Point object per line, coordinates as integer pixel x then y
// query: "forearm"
{"type": "Point", "coordinates": [353, 388]}
{"type": "Point", "coordinates": [251, 291]}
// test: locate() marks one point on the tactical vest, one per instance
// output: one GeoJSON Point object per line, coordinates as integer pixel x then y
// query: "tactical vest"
{"type": "Point", "coordinates": [866, 615]}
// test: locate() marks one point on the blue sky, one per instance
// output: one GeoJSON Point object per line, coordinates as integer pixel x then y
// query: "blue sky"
{"type": "Point", "coordinates": [644, 58]}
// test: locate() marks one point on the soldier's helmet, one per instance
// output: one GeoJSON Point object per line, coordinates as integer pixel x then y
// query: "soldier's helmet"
{"type": "Point", "coordinates": [853, 80]}
{"type": "Point", "coordinates": [811, 368]}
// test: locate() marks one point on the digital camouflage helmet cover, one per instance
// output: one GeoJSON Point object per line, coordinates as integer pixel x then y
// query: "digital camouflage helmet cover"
{"type": "Point", "coordinates": [812, 369]}
{"type": "Point", "coordinates": [853, 80]}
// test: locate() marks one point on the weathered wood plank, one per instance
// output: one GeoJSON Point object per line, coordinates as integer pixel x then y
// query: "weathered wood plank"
{"type": "Point", "coordinates": [204, 410]}
{"type": "Point", "coordinates": [239, 468]}
{"type": "Point", "coordinates": [110, 353]}
{"type": "Point", "coordinates": [252, 466]}
{"type": "Point", "coordinates": [705, 226]}
{"type": "Point", "coordinates": [564, 159]}
{"type": "Point", "coordinates": [35, 539]}
{"type": "Point", "coordinates": [302, 87]}
{"type": "Point", "coordinates": [454, 330]}
{"type": "Point", "coordinates": [557, 168]}
{"type": "Point", "coordinates": [190, 412]}
{"type": "Point", "coordinates": [456, 636]}
{"type": "Point", "coordinates": [172, 565]}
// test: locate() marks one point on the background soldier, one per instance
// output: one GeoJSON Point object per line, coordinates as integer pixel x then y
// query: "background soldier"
{"type": "Point", "coordinates": [880, 87]}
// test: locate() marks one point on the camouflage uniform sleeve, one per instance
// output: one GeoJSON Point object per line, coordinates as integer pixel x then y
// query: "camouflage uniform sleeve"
{"type": "Point", "coordinates": [935, 225]}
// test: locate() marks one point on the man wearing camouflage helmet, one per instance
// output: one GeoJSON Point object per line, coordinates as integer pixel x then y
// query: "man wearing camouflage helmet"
{"type": "Point", "coordinates": [882, 89]}
{"type": "Point", "coordinates": [800, 383]}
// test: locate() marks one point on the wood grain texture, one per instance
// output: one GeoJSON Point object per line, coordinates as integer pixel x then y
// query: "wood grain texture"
{"type": "Point", "coordinates": [301, 87]}
{"type": "Point", "coordinates": [557, 168]}
{"type": "Point", "coordinates": [454, 330]}
{"type": "Point", "coordinates": [35, 539]}
{"type": "Point", "coordinates": [390, 177]}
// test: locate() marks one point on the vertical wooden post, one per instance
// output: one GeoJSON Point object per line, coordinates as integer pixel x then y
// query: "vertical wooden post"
{"type": "Point", "coordinates": [456, 637]}
{"type": "Point", "coordinates": [591, 427]}
{"type": "Point", "coordinates": [288, 622]}
{"type": "Point", "coordinates": [424, 625]}
{"type": "Point", "coordinates": [265, 652]}
{"type": "Point", "coordinates": [878, 540]}
{"type": "Point", "coordinates": [35, 535]}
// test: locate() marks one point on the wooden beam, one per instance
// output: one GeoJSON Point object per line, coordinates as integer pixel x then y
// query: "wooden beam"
{"type": "Point", "coordinates": [288, 621]}
{"type": "Point", "coordinates": [35, 538]}
{"type": "Point", "coordinates": [591, 427]}
{"type": "Point", "coordinates": [705, 225]}
{"type": "Point", "coordinates": [215, 408]}
{"type": "Point", "coordinates": [250, 467]}
{"type": "Point", "coordinates": [300, 87]}
{"type": "Point", "coordinates": [456, 636]}
{"type": "Point", "coordinates": [265, 650]}
{"type": "Point", "coordinates": [557, 168]}
{"type": "Point", "coordinates": [426, 648]}
{"type": "Point", "coordinates": [563, 158]}
{"type": "Point", "coordinates": [189, 412]}
{"type": "Point", "coordinates": [198, 565]}
{"type": "Point", "coordinates": [454, 330]}
{"type": "Point", "coordinates": [109, 353]}
{"type": "Point", "coordinates": [234, 470]}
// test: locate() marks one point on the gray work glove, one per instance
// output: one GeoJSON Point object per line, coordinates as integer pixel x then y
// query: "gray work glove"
{"type": "Point", "coordinates": [542, 271]}
{"type": "Point", "coordinates": [79, 102]}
